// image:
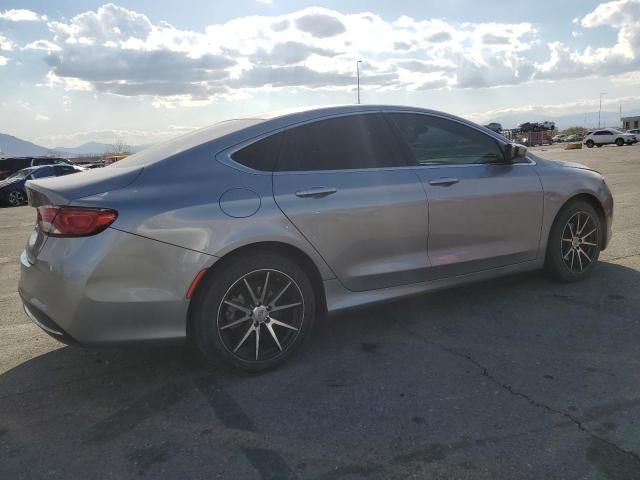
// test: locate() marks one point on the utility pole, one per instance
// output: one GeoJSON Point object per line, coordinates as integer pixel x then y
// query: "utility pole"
{"type": "Point", "coordinates": [600, 110]}
{"type": "Point", "coordinates": [358, 62]}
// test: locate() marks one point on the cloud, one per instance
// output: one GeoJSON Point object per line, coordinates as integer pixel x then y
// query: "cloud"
{"type": "Point", "coordinates": [21, 15]}
{"type": "Point", "coordinates": [118, 51]}
{"type": "Point", "coordinates": [41, 118]}
{"type": "Point", "coordinates": [320, 25]}
{"type": "Point", "coordinates": [3, 61]}
{"type": "Point", "coordinates": [5, 43]}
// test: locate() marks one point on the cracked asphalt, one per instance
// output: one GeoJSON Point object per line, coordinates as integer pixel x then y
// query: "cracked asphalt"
{"type": "Point", "coordinates": [516, 378]}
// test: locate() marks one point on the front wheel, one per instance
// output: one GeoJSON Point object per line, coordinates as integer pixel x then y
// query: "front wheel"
{"type": "Point", "coordinates": [589, 143]}
{"type": "Point", "coordinates": [17, 198]}
{"type": "Point", "coordinates": [619, 142]}
{"type": "Point", "coordinates": [574, 242]}
{"type": "Point", "coordinates": [255, 312]}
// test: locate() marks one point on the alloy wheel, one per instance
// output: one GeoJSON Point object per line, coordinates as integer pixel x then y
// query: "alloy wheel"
{"type": "Point", "coordinates": [579, 242]}
{"type": "Point", "coordinates": [16, 198]}
{"type": "Point", "coordinates": [260, 315]}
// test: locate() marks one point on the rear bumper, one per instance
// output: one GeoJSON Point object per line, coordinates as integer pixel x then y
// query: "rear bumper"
{"type": "Point", "coordinates": [113, 288]}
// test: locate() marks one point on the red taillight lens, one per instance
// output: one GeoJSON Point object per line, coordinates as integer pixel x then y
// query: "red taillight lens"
{"type": "Point", "coordinates": [74, 221]}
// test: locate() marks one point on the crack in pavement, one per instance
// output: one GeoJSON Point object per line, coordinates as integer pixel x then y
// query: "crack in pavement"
{"type": "Point", "coordinates": [532, 401]}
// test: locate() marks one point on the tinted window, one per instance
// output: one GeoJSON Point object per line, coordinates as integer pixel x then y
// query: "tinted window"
{"type": "Point", "coordinates": [261, 155]}
{"type": "Point", "coordinates": [355, 141]}
{"type": "Point", "coordinates": [42, 172]}
{"type": "Point", "coordinates": [64, 170]}
{"type": "Point", "coordinates": [437, 141]}
{"type": "Point", "coordinates": [13, 164]}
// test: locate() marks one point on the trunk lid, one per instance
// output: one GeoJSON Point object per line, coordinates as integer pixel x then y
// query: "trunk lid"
{"type": "Point", "coordinates": [60, 191]}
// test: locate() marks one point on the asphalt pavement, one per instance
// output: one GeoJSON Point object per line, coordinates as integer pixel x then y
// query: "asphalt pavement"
{"type": "Point", "coordinates": [516, 378]}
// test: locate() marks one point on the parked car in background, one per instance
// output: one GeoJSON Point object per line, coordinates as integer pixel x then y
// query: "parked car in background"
{"type": "Point", "coordinates": [573, 138]}
{"type": "Point", "coordinates": [559, 138]}
{"type": "Point", "coordinates": [635, 131]}
{"type": "Point", "coordinates": [12, 188]}
{"type": "Point", "coordinates": [13, 164]}
{"type": "Point", "coordinates": [495, 126]}
{"type": "Point", "coordinates": [282, 217]}
{"type": "Point", "coordinates": [608, 136]}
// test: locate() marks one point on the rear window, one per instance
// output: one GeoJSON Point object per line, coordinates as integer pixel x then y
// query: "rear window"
{"type": "Point", "coordinates": [12, 164]}
{"type": "Point", "coordinates": [350, 142]}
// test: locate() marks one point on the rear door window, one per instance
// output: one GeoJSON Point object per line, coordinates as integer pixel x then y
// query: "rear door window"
{"type": "Point", "coordinates": [349, 142]}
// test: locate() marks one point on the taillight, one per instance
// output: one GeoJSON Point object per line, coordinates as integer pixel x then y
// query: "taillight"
{"type": "Point", "coordinates": [74, 221]}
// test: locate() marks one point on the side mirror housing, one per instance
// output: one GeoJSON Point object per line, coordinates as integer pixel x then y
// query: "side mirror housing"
{"type": "Point", "coordinates": [514, 151]}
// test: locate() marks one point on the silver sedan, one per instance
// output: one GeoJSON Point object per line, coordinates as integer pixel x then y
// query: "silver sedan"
{"type": "Point", "coordinates": [239, 236]}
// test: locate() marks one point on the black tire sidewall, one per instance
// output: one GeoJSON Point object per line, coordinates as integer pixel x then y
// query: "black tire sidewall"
{"type": "Point", "coordinates": [590, 143]}
{"type": "Point", "coordinates": [554, 263]}
{"type": "Point", "coordinates": [211, 293]}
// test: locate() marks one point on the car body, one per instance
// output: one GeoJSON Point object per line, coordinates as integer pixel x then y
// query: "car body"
{"type": "Point", "coordinates": [572, 138]}
{"type": "Point", "coordinates": [635, 132]}
{"type": "Point", "coordinates": [608, 136]}
{"type": "Point", "coordinates": [560, 138]}
{"type": "Point", "coordinates": [12, 188]}
{"type": "Point", "coordinates": [418, 209]}
{"type": "Point", "coordinates": [10, 165]}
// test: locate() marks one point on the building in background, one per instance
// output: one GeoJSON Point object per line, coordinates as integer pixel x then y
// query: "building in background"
{"type": "Point", "coordinates": [630, 123]}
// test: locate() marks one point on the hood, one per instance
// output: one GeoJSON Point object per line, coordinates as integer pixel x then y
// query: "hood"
{"type": "Point", "coordinates": [564, 164]}
{"type": "Point", "coordinates": [6, 182]}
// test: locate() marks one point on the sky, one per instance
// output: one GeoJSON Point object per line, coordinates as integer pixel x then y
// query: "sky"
{"type": "Point", "coordinates": [145, 71]}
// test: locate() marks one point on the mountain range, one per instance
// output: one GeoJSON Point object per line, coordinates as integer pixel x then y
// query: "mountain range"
{"type": "Point", "coordinates": [14, 146]}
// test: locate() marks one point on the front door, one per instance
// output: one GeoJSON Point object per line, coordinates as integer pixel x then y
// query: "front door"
{"type": "Point", "coordinates": [342, 183]}
{"type": "Point", "coordinates": [483, 212]}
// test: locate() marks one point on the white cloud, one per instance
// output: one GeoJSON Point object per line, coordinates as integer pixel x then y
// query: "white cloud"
{"type": "Point", "coordinates": [42, 118]}
{"type": "Point", "coordinates": [21, 15]}
{"type": "Point", "coordinates": [3, 61]}
{"type": "Point", "coordinates": [5, 43]}
{"type": "Point", "coordinates": [265, 2]}
{"type": "Point", "coordinates": [118, 51]}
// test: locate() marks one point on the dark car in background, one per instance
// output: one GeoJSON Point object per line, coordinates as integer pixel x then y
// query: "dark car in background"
{"type": "Point", "coordinates": [10, 165]}
{"type": "Point", "coordinates": [12, 191]}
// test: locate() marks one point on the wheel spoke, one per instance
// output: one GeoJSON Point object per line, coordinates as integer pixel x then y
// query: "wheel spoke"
{"type": "Point", "coordinates": [566, 255]}
{"type": "Point", "coordinates": [581, 251]}
{"type": "Point", "coordinates": [254, 299]}
{"type": "Point", "coordinates": [583, 225]}
{"type": "Point", "coordinates": [567, 240]}
{"type": "Point", "coordinates": [237, 322]}
{"type": "Point", "coordinates": [238, 307]}
{"type": "Point", "coordinates": [273, 335]}
{"type": "Point", "coordinates": [590, 233]}
{"type": "Point", "coordinates": [282, 324]}
{"type": "Point", "coordinates": [257, 342]}
{"type": "Point", "coordinates": [580, 261]}
{"type": "Point", "coordinates": [246, 335]}
{"type": "Point", "coordinates": [577, 222]}
{"type": "Point", "coordinates": [273, 302]}
{"type": "Point", "coordinates": [264, 289]}
{"type": "Point", "coordinates": [588, 243]}
{"type": "Point", "coordinates": [284, 307]}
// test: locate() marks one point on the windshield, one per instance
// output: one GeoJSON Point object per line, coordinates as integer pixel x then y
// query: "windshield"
{"type": "Point", "coordinates": [20, 174]}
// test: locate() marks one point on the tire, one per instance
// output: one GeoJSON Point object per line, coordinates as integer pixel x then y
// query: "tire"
{"type": "Point", "coordinates": [589, 143]}
{"type": "Point", "coordinates": [619, 142]}
{"type": "Point", "coordinates": [575, 217]}
{"type": "Point", "coordinates": [228, 322]}
{"type": "Point", "coordinates": [16, 198]}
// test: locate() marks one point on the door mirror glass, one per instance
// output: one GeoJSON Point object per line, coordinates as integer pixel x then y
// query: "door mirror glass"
{"type": "Point", "coordinates": [514, 151]}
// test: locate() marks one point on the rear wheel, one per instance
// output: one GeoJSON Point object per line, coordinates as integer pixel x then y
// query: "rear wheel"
{"type": "Point", "coordinates": [255, 312]}
{"type": "Point", "coordinates": [589, 143]}
{"type": "Point", "coordinates": [619, 142]}
{"type": "Point", "coordinates": [17, 198]}
{"type": "Point", "coordinates": [574, 242]}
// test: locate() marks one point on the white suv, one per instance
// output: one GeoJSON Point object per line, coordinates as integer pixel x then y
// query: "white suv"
{"type": "Point", "coordinates": [609, 136]}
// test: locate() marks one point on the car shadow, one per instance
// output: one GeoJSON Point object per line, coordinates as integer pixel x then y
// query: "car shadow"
{"type": "Point", "coordinates": [103, 394]}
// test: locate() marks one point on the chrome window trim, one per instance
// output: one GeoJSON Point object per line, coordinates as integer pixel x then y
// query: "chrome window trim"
{"type": "Point", "coordinates": [224, 156]}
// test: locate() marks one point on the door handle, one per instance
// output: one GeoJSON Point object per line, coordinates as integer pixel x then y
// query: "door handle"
{"type": "Point", "coordinates": [444, 181]}
{"type": "Point", "coordinates": [316, 192]}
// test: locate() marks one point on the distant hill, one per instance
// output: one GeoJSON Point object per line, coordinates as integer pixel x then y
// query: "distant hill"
{"type": "Point", "coordinates": [13, 146]}
{"type": "Point", "coordinates": [10, 145]}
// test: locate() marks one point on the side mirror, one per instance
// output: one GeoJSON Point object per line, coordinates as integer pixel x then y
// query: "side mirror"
{"type": "Point", "coordinates": [513, 151]}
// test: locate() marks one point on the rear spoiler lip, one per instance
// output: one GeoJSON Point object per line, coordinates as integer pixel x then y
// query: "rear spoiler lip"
{"type": "Point", "coordinates": [39, 194]}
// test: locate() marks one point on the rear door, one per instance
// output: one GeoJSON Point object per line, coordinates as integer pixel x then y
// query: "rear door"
{"type": "Point", "coordinates": [483, 212]}
{"type": "Point", "coordinates": [344, 184]}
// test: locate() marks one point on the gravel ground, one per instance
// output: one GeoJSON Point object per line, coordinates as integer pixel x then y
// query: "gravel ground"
{"type": "Point", "coordinates": [517, 378]}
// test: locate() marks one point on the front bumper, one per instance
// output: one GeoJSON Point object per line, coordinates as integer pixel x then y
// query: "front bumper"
{"type": "Point", "coordinates": [112, 288]}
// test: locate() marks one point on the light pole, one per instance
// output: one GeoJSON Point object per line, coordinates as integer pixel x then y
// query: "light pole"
{"type": "Point", "coordinates": [600, 110]}
{"type": "Point", "coordinates": [358, 62]}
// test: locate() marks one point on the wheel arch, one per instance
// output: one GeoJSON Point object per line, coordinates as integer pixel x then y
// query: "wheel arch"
{"type": "Point", "coordinates": [296, 254]}
{"type": "Point", "coordinates": [592, 200]}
